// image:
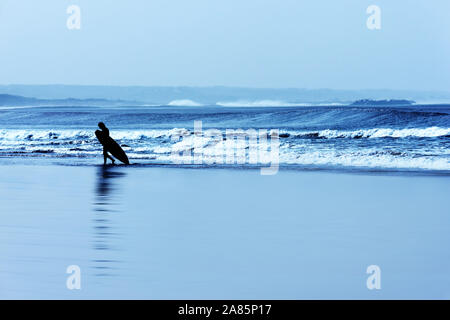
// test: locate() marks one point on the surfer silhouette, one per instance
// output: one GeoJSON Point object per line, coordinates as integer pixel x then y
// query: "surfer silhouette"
{"type": "Point", "coordinates": [110, 146]}
{"type": "Point", "coordinates": [104, 133]}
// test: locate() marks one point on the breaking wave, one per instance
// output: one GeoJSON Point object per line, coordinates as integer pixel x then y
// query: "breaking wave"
{"type": "Point", "coordinates": [52, 135]}
{"type": "Point", "coordinates": [430, 132]}
{"type": "Point", "coordinates": [184, 103]}
{"type": "Point", "coordinates": [158, 145]}
{"type": "Point", "coordinates": [416, 137]}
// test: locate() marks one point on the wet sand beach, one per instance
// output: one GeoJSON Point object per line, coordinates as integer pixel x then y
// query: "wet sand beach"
{"type": "Point", "coordinates": [175, 233]}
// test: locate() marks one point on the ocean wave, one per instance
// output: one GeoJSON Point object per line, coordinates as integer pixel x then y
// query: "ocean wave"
{"type": "Point", "coordinates": [295, 147]}
{"type": "Point", "coordinates": [15, 107]}
{"type": "Point", "coordinates": [367, 159]}
{"type": "Point", "coordinates": [65, 134]}
{"type": "Point", "coordinates": [430, 132]}
{"type": "Point", "coordinates": [19, 135]}
{"type": "Point", "coordinates": [184, 103]}
{"type": "Point", "coordinates": [42, 134]}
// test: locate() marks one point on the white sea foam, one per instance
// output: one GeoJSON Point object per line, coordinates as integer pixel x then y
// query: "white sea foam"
{"type": "Point", "coordinates": [66, 134]}
{"type": "Point", "coordinates": [42, 134]}
{"type": "Point", "coordinates": [15, 107]}
{"type": "Point", "coordinates": [365, 159]}
{"type": "Point", "coordinates": [158, 144]}
{"type": "Point", "coordinates": [61, 134]}
{"type": "Point", "coordinates": [429, 132]}
{"type": "Point", "coordinates": [184, 103]}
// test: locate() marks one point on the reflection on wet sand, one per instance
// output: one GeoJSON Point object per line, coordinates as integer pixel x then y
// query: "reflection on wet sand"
{"type": "Point", "coordinates": [106, 205]}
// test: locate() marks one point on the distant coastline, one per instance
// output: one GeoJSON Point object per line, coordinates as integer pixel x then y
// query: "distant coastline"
{"type": "Point", "coordinates": [9, 100]}
{"type": "Point", "coordinates": [13, 100]}
{"type": "Point", "coordinates": [220, 95]}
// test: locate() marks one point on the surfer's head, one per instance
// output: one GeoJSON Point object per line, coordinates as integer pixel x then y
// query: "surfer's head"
{"type": "Point", "coordinates": [101, 125]}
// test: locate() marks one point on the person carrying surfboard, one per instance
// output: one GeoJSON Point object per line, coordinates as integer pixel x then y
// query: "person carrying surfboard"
{"type": "Point", "coordinates": [110, 146]}
{"type": "Point", "coordinates": [105, 136]}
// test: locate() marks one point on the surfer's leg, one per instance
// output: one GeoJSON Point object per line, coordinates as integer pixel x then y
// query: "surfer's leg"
{"type": "Point", "coordinates": [107, 156]}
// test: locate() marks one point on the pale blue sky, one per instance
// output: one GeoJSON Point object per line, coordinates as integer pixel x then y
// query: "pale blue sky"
{"type": "Point", "coordinates": [253, 43]}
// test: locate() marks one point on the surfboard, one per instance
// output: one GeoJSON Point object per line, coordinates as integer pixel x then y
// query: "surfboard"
{"type": "Point", "coordinates": [112, 147]}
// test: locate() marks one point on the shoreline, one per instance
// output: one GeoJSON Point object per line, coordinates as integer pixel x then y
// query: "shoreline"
{"type": "Point", "coordinates": [369, 171]}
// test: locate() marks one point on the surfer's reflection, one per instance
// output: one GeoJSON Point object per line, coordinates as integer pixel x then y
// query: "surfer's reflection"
{"type": "Point", "coordinates": [106, 206]}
